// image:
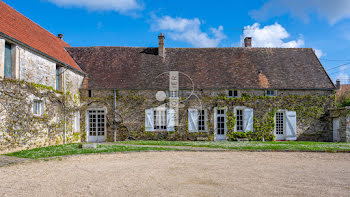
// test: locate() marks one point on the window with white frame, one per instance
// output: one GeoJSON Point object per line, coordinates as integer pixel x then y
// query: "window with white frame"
{"type": "Point", "coordinates": [233, 93]}
{"type": "Point", "coordinates": [160, 121]}
{"type": "Point", "coordinates": [279, 123]}
{"type": "Point", "coordinates": [38, 107]}
{"type": "Point", "coordinates": [270, 93]}
{"type": "Point", "coordinates": [201, 120]}
{"type": "Point", "coordinates": [196, 120]}
{"type": "Point", "coordinates": [239, 118]}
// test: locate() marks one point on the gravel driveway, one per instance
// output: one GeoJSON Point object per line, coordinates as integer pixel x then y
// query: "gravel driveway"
{"type": "Point", "coordinates": [182, 174]}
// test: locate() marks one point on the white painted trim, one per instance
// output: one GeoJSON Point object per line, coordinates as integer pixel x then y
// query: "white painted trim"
{"type": "Point", "coordinates": [239, 94]}
{"type": "Point", "coordinates": [275, 91]}
{"type": "Point", "coordinates": [87, 121]}
{"type": "Point", "coordinates": [215, 121]}
{"type": "Point", "coordinates": [284, 123]}
{"type": "Point", "coordinates": [162, 107]}
{"type": "Point", "coordinates": [235, 111]}
{"type": "Point", "coordinates": [205, 118]}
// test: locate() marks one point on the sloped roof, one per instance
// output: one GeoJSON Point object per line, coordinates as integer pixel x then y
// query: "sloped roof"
{"type": "Point", "coordinates": [18, 27]}
{"type": "Point", "coordinates": [208, 68]}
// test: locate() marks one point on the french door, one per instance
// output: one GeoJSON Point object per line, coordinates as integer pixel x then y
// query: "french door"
{"type": "Point", "coordinates": [280, 126]}
{"type": "Point", "coordinates": [220, 124]}
{"type": "Point", "coordinates": [96, 123]}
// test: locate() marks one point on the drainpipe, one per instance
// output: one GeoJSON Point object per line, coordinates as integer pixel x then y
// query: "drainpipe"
{"type": "Point", "coordinates": [64, 109]}
{"type": "Point", "coordinates": [115, 115]}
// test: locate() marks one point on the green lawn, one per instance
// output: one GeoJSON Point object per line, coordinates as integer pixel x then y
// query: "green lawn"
{"type": "Point", "coordinates": [72, 149]}
{"type": "Point", "coordinates": [287, 145]}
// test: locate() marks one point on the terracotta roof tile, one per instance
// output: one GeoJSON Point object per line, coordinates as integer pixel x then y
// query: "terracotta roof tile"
{"type": "Point", "coordinates": [19, 27]}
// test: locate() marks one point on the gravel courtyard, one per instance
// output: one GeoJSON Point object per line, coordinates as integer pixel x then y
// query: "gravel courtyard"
{"type": "Point", "coordinates": [182, 174]}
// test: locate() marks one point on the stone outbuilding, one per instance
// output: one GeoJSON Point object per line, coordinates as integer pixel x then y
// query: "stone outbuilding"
{"type": "Point", "coordinates": [204, 93]}
{"type": "Point", "coordinates": [52, 93]}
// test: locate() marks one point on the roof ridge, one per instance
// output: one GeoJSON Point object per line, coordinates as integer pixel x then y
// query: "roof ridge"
{"type": "Point", "coordinates": [193, 48]}
{"type": "Point", "coordinates": [33, 22]}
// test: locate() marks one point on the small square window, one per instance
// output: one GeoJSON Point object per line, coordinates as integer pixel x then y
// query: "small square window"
{"type": "Point", "coordinates": [270, 93]}
{"type": "Point", "coordinates": [38, 107]}
{"type": "Point", "coordinates": [233, 93]}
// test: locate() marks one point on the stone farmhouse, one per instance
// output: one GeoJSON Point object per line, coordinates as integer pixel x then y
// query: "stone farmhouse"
{"type": "Point", "coordinates": [53, 93]}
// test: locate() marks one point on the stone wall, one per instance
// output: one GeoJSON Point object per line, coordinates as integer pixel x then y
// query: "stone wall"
{"type": "Point", "coordinates": [73, 81]}
{"type": "Point", "coordinates": [36, 69]}
{"type": "Point", "coordinates": [20, 128]}
{"type": "Point", "coordinates": [313, 121]}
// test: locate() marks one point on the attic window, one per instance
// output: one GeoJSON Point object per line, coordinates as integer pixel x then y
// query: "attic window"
{"type": "Point", "coordinates": [270, 92]}
{"type": "Point", "coordinates": [233, 93]}
{"type": "Point", "coordinates": [90, 93]}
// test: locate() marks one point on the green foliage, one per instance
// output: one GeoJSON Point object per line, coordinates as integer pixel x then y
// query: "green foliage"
{"type": "Point", "coordinates": [344, 103]}
{"type": "Point", "coordinates": [72, 149]}
{"type": "Point", "coordinates": [231, 121]}
{"type": "Point", "coordinates": [286, 145]}
{"type": "Point", "coordinates": [265, 126]}
{"type": "Point", "coordinates": [23, 129]}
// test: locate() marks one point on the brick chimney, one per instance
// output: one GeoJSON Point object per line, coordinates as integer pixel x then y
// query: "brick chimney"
{"type": "Point", "coordinates": [248, 41]}
{"type": "Point", "coordinates": [337, 85]}
{"type": "Point", "coordinates": [60, 36]}
{"type": "Point", "coordinates": [161, 49]}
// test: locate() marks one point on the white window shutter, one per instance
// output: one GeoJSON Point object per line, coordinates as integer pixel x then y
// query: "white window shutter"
{"type": "Point", "coordinates": [291, 125]}
{"type": "Point", "coordinates": [248, 119]}
{"type": "Point", "coordinates": [170, 120]}
{"type": "Point", "coordinates": [192, 120]}
{"type": "Point", "coordinates": [149, 122]}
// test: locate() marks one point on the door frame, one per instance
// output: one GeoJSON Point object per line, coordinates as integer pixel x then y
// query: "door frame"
{"type": "Point", "coordinates": [215, 122]}
{"type": "Point", "coordinates": [336, 123]}
{"type": "Point", "coordinates": [87, 123]}
{"type": "Point", "coordinates": [284, 124]}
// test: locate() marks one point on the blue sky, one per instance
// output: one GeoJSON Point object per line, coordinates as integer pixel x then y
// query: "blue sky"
{"type": "Point", "coordinates": [320, 24]}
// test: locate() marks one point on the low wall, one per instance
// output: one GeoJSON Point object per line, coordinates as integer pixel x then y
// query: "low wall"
{"type": "Point", "coordinates": [341, 124]}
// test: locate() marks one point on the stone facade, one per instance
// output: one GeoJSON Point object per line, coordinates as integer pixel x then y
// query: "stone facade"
{"type": "Point", "coordinates": [313, 121]}
{"type": "Point", "coordinates": [34, 79]}
{"type": "Point", "coordinates": [341, 124]}
{"type": "Point", "coordinates": [22, 127]}
{"type": "Point", "coordinates": [35, 68]}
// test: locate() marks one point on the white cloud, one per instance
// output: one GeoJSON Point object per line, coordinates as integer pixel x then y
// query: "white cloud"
{"type": "Point", "coordinates": [342, 76]}
{"type": "Point", "coordinates": [318, 53]}
{"type": "Point", "coordinates": [332, 10]}
{"type": "Point", "coordinates": [188, 30]}
{"type": "Point", "coordinates": [122, 6]}
{"type": "Point", "coordinates": [270, 36]}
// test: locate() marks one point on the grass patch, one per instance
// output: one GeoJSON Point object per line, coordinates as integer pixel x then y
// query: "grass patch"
{"type": "Point", "coordinates": [287, 145]}
{"type": "Point", "coordinates": [73, 149]}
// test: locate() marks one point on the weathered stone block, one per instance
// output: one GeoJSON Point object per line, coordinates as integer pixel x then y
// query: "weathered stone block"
{"type": "Point", "coordinates": [88, 146]}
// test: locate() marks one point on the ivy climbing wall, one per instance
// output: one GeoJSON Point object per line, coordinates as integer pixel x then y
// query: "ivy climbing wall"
{"type": "Point", "coordinates": [313, 121]}
{"type": "Point", "coordinates": [21, 129]}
